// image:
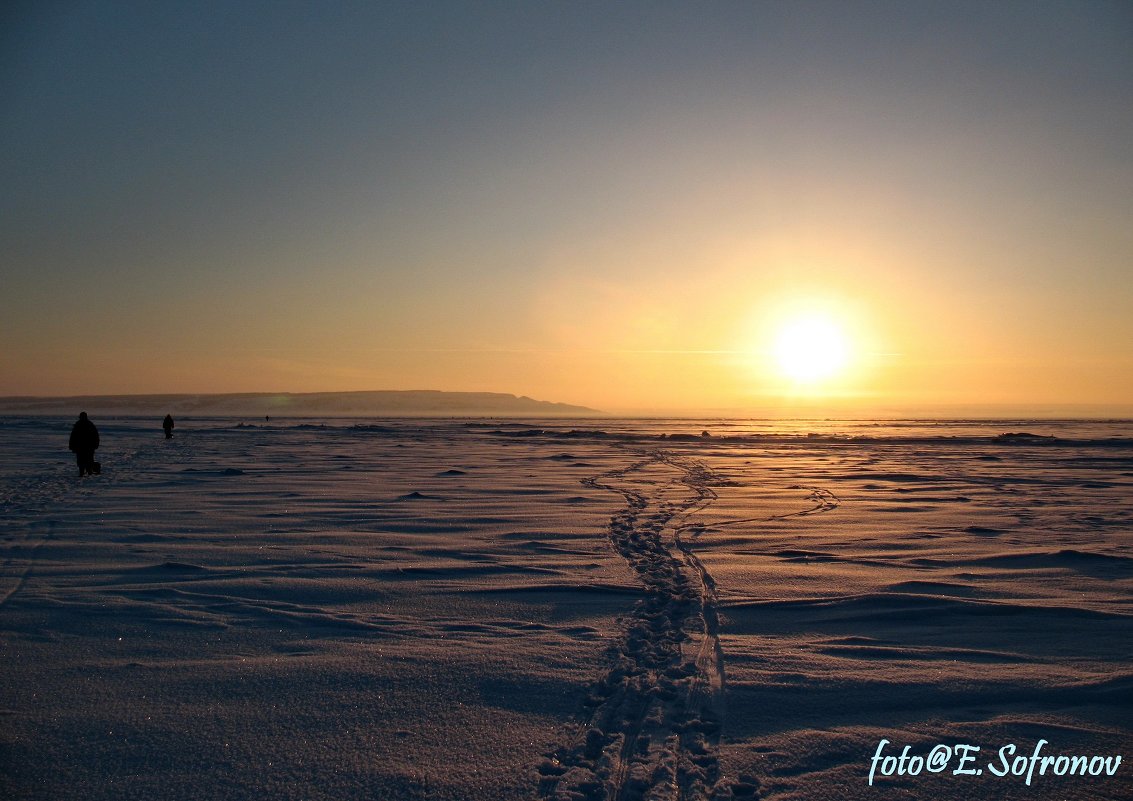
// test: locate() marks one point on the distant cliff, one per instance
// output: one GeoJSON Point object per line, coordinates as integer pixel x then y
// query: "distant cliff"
{"type": "Point", "coordinates": [389, 403]}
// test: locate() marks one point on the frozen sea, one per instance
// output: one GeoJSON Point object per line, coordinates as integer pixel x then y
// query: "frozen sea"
{"type": "Point", "coordinates": [544, 609]}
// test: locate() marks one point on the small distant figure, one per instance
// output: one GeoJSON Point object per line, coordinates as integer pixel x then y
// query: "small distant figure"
{"type": "Point", "coordinates": [167, 424]}
{"type": "Point", "coordinates": [84, 442]}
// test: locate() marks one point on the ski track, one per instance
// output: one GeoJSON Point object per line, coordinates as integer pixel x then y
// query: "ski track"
{"type": "Point", "coordinates": [652, 727]}
{"type": "Point", "coordinates": [824, 501]}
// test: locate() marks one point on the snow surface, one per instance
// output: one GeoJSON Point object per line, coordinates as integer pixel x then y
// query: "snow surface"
{"type": "Point", "coordinates": [485, 609]}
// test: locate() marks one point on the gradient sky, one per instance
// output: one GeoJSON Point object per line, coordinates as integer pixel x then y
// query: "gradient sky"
{"type": "Point", "coordinates": [596, 203]}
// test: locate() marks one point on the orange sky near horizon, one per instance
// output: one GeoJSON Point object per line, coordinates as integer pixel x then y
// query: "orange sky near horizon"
{"type": "Point", "coordinates": [618, 208]}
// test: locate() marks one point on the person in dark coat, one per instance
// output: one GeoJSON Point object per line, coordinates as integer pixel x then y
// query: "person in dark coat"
{"type": "Point", "coordinates": [84, 442]}
{"type": "Point", "coordinates": [167, 424]}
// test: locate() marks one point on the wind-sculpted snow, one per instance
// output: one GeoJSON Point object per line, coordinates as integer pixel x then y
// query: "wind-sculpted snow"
{"type": "Point", "coordinates": [546, 610]}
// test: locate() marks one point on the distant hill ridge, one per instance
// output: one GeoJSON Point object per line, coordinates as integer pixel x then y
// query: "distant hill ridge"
{"type": "Point", "coordinates": [301, 404]}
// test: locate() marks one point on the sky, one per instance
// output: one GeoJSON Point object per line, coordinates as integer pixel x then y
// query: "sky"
{"type": "Point", "coordinates": [620, 205]}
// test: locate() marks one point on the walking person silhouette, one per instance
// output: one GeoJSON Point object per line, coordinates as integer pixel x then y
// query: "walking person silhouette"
{"type": "Point", "coordinates": [83, 443]}
{"type": "Point", "coordinates": [167, 424]}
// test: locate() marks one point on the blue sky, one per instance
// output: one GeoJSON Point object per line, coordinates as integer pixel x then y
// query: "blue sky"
{"type": "Point", "coordinates": [544, 197]}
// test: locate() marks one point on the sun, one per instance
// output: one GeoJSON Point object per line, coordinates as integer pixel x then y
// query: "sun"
{"type": "Point", "coordinates": [811, 348]}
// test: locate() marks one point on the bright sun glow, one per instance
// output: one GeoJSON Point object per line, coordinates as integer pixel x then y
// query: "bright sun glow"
{"type": "Point", "coordinates": [811, 348]}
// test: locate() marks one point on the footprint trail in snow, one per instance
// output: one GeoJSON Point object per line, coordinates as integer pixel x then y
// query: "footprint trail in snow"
{"type": "Point", "coordinates": [652, 727]}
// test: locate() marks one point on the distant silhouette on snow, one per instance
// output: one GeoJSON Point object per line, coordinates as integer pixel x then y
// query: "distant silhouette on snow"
{"type": "Point", "coordinates": [84, 442]}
